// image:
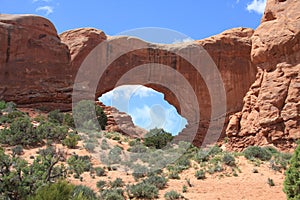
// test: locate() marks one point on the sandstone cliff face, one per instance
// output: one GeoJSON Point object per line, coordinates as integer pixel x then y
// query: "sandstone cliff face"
{"type": "Point", "coordinates": [80, 42]}
{"type": "Point", "coordinates": [33, 63]}
{"type": "Point", "coordinates": [271, 111]}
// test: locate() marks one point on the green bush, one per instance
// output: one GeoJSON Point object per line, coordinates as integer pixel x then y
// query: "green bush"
{"type": "Point", "coordinates": [83, 114]}
{"type": "Point", "coordinates": [104, 144]}
{"type": "Point", "coordinates": [292, 178]}
{"type": "Point", "coordinates": [51, 131]}
{"type": "Point", "coordinates": [68, 120]}
{"type": "Point", "coordinates": [2, 105]}
{"type": "Point", "coordinates": [112, 194]}
{"type": "Point", "coordinates": [228, 159]}
{"type": "Point", "coordinates": [83, 192]}
{"type": "Point", "coordinates": [56, 117]}
{"type": "Point", "coordinates": [184, 189]}
{"type": "Point", "coordinates": [114, 155]}
{"type": "Point", "coordinates": [17, 150]}
{"type": "Point", "coordinates": [172, 195]}
{"type": "Point", "coordinates": [71, 141]}
{"type": "Point", "coordinates": [257, 152]}
{"type": "Point", "coordinates": [201, 156]}
{"type": "Point", "coordinates": [101, 184]}
{"type": "Point", "coordinates": [10, 106]}
{"type": "Point", "coordinates": [159, 181]}
{"type": "Point", "coordinates": [142, 191]}
{"type": "Point", "coordinates": [100, 171]}
{"type": "Point", "coordinates": [157, 138]}
{"type": "Point", "coordinates": [79, 164]}
{"type": "Point", "coordinates": [200, 174]}
{"type": "Point", "coordinates": [56, 191]}
{"type": "Point", "coordinates": [20, 132]}
{"type": "Point", "coordinates": [90, 147]}
{"type": "Point", "coordinates": [174, 175]}
{"type": "Point", "coordinates": [139, 148]}
{"type": "Point", "coordinates": [118, 182]}
{"type": "Point", "coordinates": [139, 171]}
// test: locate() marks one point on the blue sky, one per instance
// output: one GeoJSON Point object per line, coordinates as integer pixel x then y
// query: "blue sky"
{"type": "Point", "coordinates": [193, 18]}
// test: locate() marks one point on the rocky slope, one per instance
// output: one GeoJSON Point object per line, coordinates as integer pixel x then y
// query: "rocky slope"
{"type": "Point", "coordinates": [121, 122]}
{"type": "Point", "coordinates": [271, 111]}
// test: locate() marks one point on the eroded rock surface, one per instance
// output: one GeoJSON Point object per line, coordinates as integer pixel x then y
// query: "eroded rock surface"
{"type": "Point", "coordinates": [271, 111]}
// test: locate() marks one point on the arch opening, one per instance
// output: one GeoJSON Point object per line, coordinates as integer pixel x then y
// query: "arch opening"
{"type": "Point", "coordinates": [148, 107]}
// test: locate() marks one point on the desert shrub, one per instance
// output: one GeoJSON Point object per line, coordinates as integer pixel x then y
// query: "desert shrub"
{"type": "Point", "coordinates": [55, 191]}
{"type": "Point", "coordinates": [49, 130]}
{"type": "Point", "coordinates": [83, 113]}
{"type": "Point", "coordinates": [100, 171]}
{"type": "Point", "coordinates": [104, 144]}
{"type": "Point", "coordinates": [159, 181]}
{"type": "Point", "coordinates": [201, 156]}
{"type": "Point", "coordinates": [40, 119]}
{"type": "Point", "coordinates": [291, 182]}
{"type": "Point", "coordinates": [157, 138]}
{"type": "Point", "coordinates": [139, 171]}
{"type": "Point", "coordinates": [172, 195]}
{"type": "Point", "coordinates": [134, 142]}
{"type": "Point", "coordinates": [271, 182]}
{"type": "Point", "coordinates": [112, 194]}
{"type": "Point", "coordinates": [200, 174]}
{"type": "Point", "coordinates": [71, 141]}
{"type": "Point", "coordinates": [174, 175]}
{"type": "Point", "coordinates": [183, 163]}
{"type": "Point", "coordinates": [56, 117]}
{"type": "Point", "coordinates": [118, 182]}
{"type": "Point", "coordinates": [260, 153]}
{"type": "Point", "coordinates": [14, 114]}
{"type": "Point", "coordinates": [228, 159]}
{"type": "Point", "coordinates": [214, 150]}
{"type": "Point", "coordinates": [2, 105]}
{"type": "Point", "coordinates": [139, 148]}
{"type": "Point", "coordinates": [101, 184]}
{"type": "Point", "coordinates": [114, 155]}
{"type": "Point", "coordinates": [281, 161]}
{"type": "Point", "coordinates": [90, 147]}
{"type": "Point", "coordinates": [184, 189]}
{"type": "Point", "coordinates": [17, 150]}
{"type": "Point", "coordinates": [20, 132]}
{"type": "Point", "coordinates": [143, 191]}
{"type": "Point", "coordinates": [68, 120]}
{"type": "Point", "coordinates": [83, 192]}
{"type": "Point", "coordinates": [79, 164]}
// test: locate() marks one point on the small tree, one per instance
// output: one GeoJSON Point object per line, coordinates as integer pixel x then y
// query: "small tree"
{"type": "Point", "coordinates": [83, 114]}
{"type": "Point", "coordinates": [292, 179]}
{"type": "Point", "coordinates": [157, 138]}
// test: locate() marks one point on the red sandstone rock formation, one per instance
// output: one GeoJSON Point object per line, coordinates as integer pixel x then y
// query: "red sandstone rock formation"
{"type": "Point", "coordinates": [38, 68]}
{"type": "Point", "coordinates": [271, 111]}
{"type": "Point", "coordinates": [121, 122]}
{"type": "Point", "coordinates": [33, 63]}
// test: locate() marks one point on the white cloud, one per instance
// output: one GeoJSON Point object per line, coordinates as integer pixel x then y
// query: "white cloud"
{"type": "Point", "coordinates": [47, 9]}
{"type": "Point", "coordinates": [257, 6]}
{"type": "Point", "coordinates": [176, 41]}
{"type": "Point", "coordinates": [124, 93]}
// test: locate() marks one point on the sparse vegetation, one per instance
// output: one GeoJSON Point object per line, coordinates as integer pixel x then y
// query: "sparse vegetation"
{"type": "Point", "coordinates": [172, 195]}
{"type": "Point", "coordinates": [260, 153]}
{"type": "Point", "coordinates": [200, 174]}
{"type": "Point", "coordinates": [291, 182]}
{"type": "Point", "coordinates": [143, 191]}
